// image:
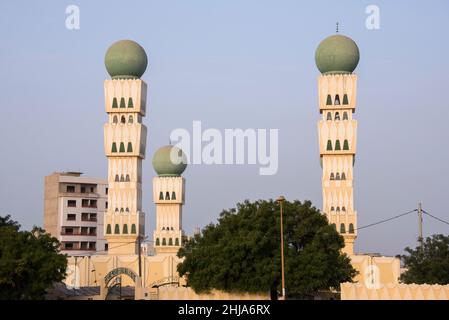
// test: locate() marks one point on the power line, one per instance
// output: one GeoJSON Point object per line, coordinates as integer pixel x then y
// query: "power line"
{"type": "Point", "coordinates": [386, 220]}
{"type": "Point", "coordinates": [436, 218]}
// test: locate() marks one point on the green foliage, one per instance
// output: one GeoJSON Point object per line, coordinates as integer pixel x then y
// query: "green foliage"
{"type": "Point", "coordinates": [29, 262]}
{"type": "Point", "coordinates": [429, 264]}
{"type": "Point", "coordinates": [242, 252]}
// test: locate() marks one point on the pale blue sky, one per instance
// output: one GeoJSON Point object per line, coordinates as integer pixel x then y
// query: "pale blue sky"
{"type": "Point", "coordinates": [230, 64]}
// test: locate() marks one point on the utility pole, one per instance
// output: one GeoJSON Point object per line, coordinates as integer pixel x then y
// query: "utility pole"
{"type": "Point", "coordinates": [420, 236]}
{"type": "Point", "coordinates": [281, 200]}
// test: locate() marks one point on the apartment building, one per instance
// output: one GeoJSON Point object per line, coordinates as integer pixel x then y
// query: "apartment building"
{"type": "Point", "coordinates": [73, 212]}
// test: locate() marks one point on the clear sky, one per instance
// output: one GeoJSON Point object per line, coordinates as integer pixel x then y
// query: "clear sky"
{"type": "Point", "coordinates": [232, 64]}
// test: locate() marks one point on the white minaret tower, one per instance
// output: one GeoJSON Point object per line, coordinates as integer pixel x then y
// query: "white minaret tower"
{"type": "Point", "coordinates": [169, 162]}
{"type": "Point", "coordinates": [337, 57]}
{"type": "Point", "coordinates": [125, 143]}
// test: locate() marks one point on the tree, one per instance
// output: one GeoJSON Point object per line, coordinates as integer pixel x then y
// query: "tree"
{"type": "Point", "coordinates": [241, 253]}
{"type": "Point", "coordinates": [429, 263]}
{"type": "Point", "coordinates": [29, 261]}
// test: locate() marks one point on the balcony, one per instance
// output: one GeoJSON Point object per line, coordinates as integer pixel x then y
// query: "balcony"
{"type": "Point", "coordinates": [89, 219]}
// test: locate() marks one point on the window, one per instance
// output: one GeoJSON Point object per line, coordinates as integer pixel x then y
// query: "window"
{"type": "Point", "coordinates": [158, 243]}
{"type": "Point", "coordinates": [114, 147]}
{"type": "Point", "coordinates": [130, 119]}
{"type": "Point", "coordinates": [122, 119]}
{"type": "Point", "coordinates": [332, 176]}
{"type": "Point", "coordinates": [92, 246]}
{"type": "Point", "coordinates": [164, 242]}
{"type": "Point", "coordinates": [117, 179]}
{"type": "Point", "coordinates": [71, 203]}
{"type": "Point", "coordinates": [328, 100]}
{"type": "Point", "coordinates": [337, 145]}
{"type": "Point", "coordinates": [161, 195]}
{"type": "Point", "coordinates": [337, 100]}
{"type": "Point", "coordinates": [345, 99]}
{"type": "Point", "coordinates": [130, 103]}
{"type": "Point", "coordinates": [117, 229]}
{"type": "Point", "coordinates": [67, 231]}
{"type": "Point", "coordinates": [106, 191]}
{"type": "Point", "coordinates": [93, 216]}
{"type": "Point", "coordinates": [127, 209]}
{"type": "Point", "coordinates": [122, 178]}
{"type": "Point", "coordinates": [342, 228]}
{"type": "Point", "coordinates": [116, 209]}
{"type": "Point", "coordinates": [125, 229]}
{"type": "Point", "coordinates": [92, 189]}
{"type": "Point", "coordinates": [337, 116]}
{"type": "Point", "coordinates": [337, 176]}
{"type": "Point", "coordinates": [114, 103]}
{"type": "Point", "coordinates": [122, 147]}
{"type": "Point", "coordinates": [338, 209]}
{"type": "Point", "coordinates": [106, 247]}
{"type": "Point", "coordinates": [176, 241]}
{"type": "Point", "coordinates": [70, 188]}
{"type": "Point", "coordinates": [83, 189]}
{"type": "Point", "coordinates": [334, 226]}
{"type": "Point", "coordinates": [167, 196]}
{"type": "Point", "coordinates": [343, 209]}
{"type": "Point", "coordinates": [173, 195]}
{"type": "Point", "coordinates": [71, 217]}
{"type": "Point", "coordinates": [329, 145]}
{"type": "Point", "coordinates": [127, 179]}
{"type": "Point", "coordinates": [115, 120]}
{"type": "Point", "coordinates": [345, 145]}
{"type": "Point", "coordinates": [68, 245]}
{"type": "Point", "coordinates": [351, 228]}
{"type": "Point", "coordinates": [332, 209]}
{"type": "Point", "coordinates": [93, 231]}
{"type": "Point", "coordinates": [106, 204]}
{"type": "Point", "coordinates": [170, 241]}
{"type": "Point", "coordinates": [122, 103]}
{"type": "Point", "coordinates": [343, 176]}
{"type": "Point", "coordinates": [133, 228]}
{"type": "Point", "coordinates": [345, 116]}
{"type": "Point", "coordinates": [121, 210]}
{"type": "Point", "coordinates": [130, 147]}
{"type": "Point", "coordinates": [84, 216]}
{"type": "Point", "coordinates": [329, 116]}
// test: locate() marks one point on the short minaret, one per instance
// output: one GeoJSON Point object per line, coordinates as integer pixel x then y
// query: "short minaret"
{"type": "Point", "coordinates": [125, 143]}
{"type": "Point", "coordinates": [337, 57]}
{"type": "Point", "coordinates": [169, 162]}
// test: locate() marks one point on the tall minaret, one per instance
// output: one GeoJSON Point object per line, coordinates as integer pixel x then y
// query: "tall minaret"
{"type": "Point", "coordinates": [337, 57]}
{"type": "Point", "coordinates": [169, 162]}
{"type": "Point", "coordinates": [124, 143]}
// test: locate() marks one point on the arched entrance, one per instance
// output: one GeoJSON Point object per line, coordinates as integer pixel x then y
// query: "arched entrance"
{"type": "Point", "coordinates": [112, 284]}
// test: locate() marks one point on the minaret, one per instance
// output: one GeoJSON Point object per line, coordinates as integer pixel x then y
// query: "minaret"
{"type": "Point", "coordinates": [169, 162]}
{"type": "Point", "coordinates": [337, 57]}
{"type": "Point", "coordinates": [124, 143]}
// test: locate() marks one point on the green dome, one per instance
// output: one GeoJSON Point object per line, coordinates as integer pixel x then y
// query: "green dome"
{"type": "Point", "coordinates": [163, 165]}
{"type": "Point", "coordinates": [125, 59]}
{"type": "Point", "coordinates": [337, 54]}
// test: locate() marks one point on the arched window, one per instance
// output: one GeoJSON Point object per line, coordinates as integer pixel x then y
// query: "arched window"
{"type": "Point", "coordinates": [334, 226]}
{"type": "Point", "coordinates": [337, 145]}
{"type": "Point", "coordinates": [332, 209]}
{"type": "Point", "coordinates": [115, 120]}
{"type": "Point", "coordinates": [172, 228]}
{"type": "Point", "coordinates": [338, 209]}
{"type": "Point", "coordinates": [164, 242]}
{"type": "Point", "coordinates": [108, 229]}
{"type": "Point", "coordinates": [337, 116]}
{"type": "Point", "coordinates": [158, 243]}
{"type": "Point", "coordinates": [125, 229]}
{"type": "Point", "coordinates": [345, 116]}
{"type": "Point", "coordinates": [133, 228]}
{"type": "Point", "coordinates": [130, 147]}
{"type": "Point", "coordinates": [127, 209]}
{"type": "Point", "coordinates": [345, 99]}
{"type": "Point", "coordinates": [343, 209]}
{"type": "Point", "coordinates": [332, 176]}
{"type": "Point", "coordinates": [114, 147]}
{"type": "Point", "coordinates": [116, 229]}
{"type": "Point", "coordinates": [117, 179]}
{"type": "Point", "coordinates": [130, 119]}
{"type": "Point", "coordinates": [122, 147]}
{"type": "Point", "coordinates": [342, 228]}
{"type": "Point", "coordinates": [343, 176]}
{"type": "Point", "coordinates": [329, 116]}
{"type": "Point", "coordinates": [122, 178]}
{"type": "Point", "coordinates": [170, 241]}
{"type": "Point", "coordinates": [173, 195]}
{"type": "Point", "coordinates": [121, 210]}
{"type": "Point", "coordinates": [167, 196]}
{"type": "Point", "coordinates": [127, 178]}
{"type": "Point", "coordinates": [161, 195]}
{"type": "Point", "coordinates": [122, 103]}
{"type": "Point", "coordinates": [328, 100]}
{"type": "Point", "coordinates": [163, 228]}
{"type": "Point", "coordinates": [329, 145]}
{"type": "Point", "coordinates": [351, 228]}
{"type": "Point", "coordinates": [122, 119]}
{"type": "Point", "coordinates": [114, 103]}
{"type": "Point", "coordinates": [130, 103]}
{"type": "Point", "coordinates": [337, 176]}
{"type": "Point", "coordinates": [345, 145]}
{"type": "Point", "coordinates": [337, 100]}
{"type": "Point", "coordinates": [116, 209]}
{"type": "Point", "coordinates": [176, 241]}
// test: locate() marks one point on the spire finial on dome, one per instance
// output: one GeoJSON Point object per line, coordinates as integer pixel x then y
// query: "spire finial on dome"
{"type": "Point", "coordinates": [337, 26]}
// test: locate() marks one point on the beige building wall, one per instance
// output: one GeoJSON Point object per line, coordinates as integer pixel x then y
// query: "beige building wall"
{"type": "Point", "coordinates": [394, 291]}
